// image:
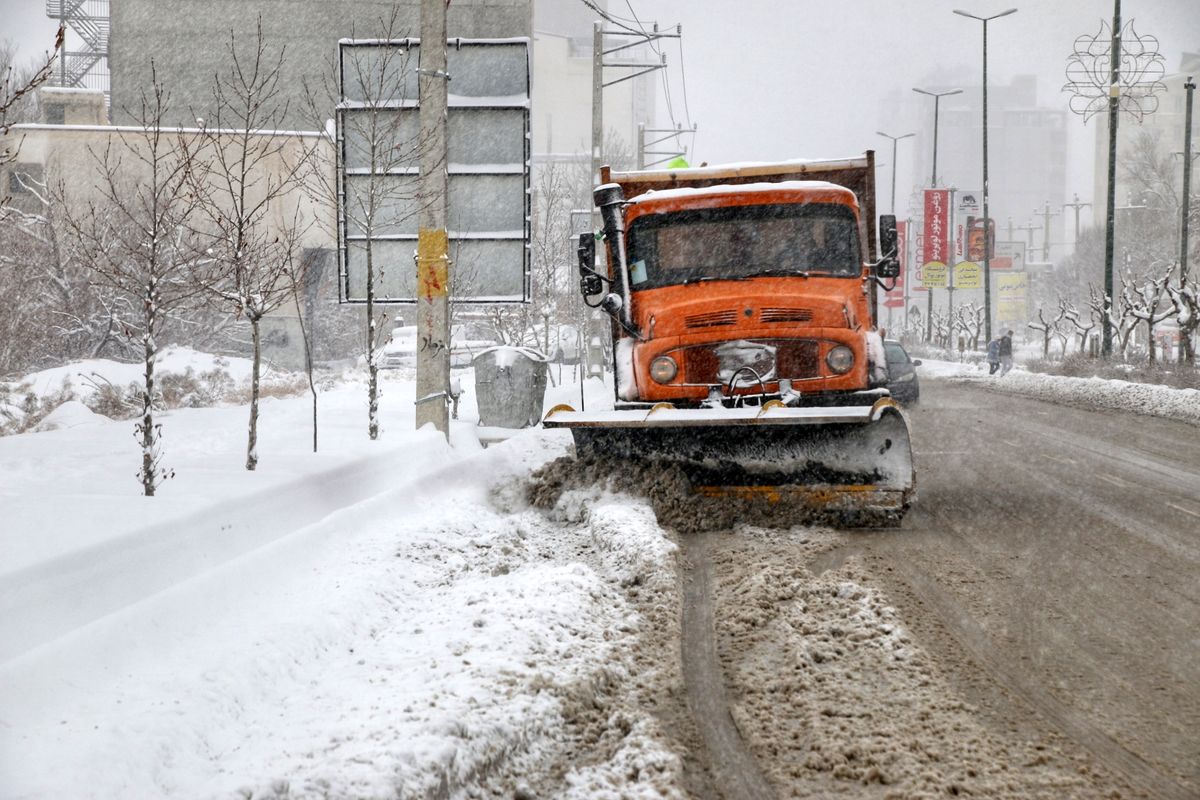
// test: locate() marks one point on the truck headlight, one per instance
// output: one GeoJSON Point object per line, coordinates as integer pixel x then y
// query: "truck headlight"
{"type": "Point", "coordinates": [663, 369]}
{"type": "Point", "coordinates": [840, 359]}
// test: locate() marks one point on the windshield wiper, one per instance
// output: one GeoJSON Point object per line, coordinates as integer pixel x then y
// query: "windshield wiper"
{"type": "Point", "coordinates": [703, 278]}
{"type": "Point", "coordinates": [780, 273]}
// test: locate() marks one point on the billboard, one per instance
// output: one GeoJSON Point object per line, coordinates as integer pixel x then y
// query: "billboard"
{"type": "Point", "coordinates": [1009, 255]}
{"type": "Point", "coordinates": [934, 239]}
{"type": "Point", "coordinates": [1012, 290]}
{"type": "Point", "coordinates": [380, 144]}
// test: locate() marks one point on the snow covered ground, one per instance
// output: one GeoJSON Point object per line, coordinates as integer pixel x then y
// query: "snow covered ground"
{"type": "Point", "coordinates": [379, 619]}
{"type": "Point", "coordinates": [1101, 393]}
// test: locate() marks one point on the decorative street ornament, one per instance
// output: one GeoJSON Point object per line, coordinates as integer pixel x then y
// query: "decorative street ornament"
{"type": "Point", "coordinates": [1089, 73]}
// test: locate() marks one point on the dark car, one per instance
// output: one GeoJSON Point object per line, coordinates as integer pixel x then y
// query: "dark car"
{"type": "Point", "coordinates": [902, 374]}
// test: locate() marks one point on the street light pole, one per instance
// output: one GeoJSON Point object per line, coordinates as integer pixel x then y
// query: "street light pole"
{"type": "Point", "coordinates": [894, 139]}
{"type": "Point", "coordinates": [987, 255]}
{"type": "Point", "coordinates": [1190, 86]}
{"type": "Point", "coordinates": [937, 97]}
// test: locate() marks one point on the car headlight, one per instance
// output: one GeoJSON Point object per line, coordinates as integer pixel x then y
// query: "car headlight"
{"type": "Point", "coordinates": [663, 369]}
{"type": "Point", "coordinates": [840, 359]}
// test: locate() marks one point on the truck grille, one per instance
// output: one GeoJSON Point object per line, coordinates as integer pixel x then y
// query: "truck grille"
{"type": "Point", "coordinates": [711, 320]}
{"type": "Point", "coordinates": [795, 359]}
{"type": "Point", "coordinates": [786, 315]}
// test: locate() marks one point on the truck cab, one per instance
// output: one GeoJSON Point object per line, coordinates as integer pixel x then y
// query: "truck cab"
{"type": "Point", "coordinates": [750, 282]}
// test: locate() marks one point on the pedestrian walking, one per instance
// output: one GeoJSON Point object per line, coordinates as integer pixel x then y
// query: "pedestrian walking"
{"type": "Point", "coordinates": [993, 356]}
{"type": "Point", "coordinates": [1005, 353]}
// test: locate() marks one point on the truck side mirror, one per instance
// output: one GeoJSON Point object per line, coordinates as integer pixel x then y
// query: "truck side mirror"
{"type": "Point", "coordinates": [589, 282]}
{"type": "Point", "coordinates": [889, 261]}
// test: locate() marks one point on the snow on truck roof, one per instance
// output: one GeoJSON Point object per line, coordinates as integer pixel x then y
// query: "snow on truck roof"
{"type": "Point", "coordinates": [654, 195]}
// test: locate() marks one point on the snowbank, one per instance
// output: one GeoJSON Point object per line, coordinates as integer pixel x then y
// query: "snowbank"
{"type": "Point", "coordinates": [378, 619]}
{"type": "Point", "coordinates": [1104, 393]}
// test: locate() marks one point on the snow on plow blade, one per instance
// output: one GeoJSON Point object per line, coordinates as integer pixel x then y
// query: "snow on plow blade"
{"type": "Point", "coordinates": [842, 461]}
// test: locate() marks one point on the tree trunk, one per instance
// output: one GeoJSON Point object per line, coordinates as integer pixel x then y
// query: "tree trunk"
{"type": "Point", "coordinates": [1150, 342]}
{"type": "Point", "coordinates": [252, 439]}
{"type": "Point", "coordinates": [146, 428]}
{"type": "Point", "coordinates": [372, 370]}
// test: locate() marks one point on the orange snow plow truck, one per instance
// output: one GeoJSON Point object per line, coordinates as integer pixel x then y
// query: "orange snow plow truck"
{"type": "Point", "coordinates": [745, 345]}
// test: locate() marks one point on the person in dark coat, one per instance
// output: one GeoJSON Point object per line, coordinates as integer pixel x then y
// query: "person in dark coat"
{"type": "Point", "coordinates": [1005, 353]}
{"type": "Point", "coordinates": [993, 356]}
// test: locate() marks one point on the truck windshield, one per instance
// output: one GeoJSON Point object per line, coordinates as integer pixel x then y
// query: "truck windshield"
{"type": "Point", "coordinates": [735, 242]}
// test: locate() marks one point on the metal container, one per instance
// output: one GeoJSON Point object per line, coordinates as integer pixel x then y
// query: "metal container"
{"type": "Point", "coordinates": [510, 386]}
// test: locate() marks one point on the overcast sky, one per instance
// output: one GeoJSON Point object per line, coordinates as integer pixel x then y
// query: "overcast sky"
{"type": "Point", "coordinates": [806, 78]}
{"type": "Point", "coordinates": [771, 79]}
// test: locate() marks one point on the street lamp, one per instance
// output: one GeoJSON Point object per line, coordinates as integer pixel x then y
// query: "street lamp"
{"type": "Point", "coordinates": [894, 139]}
{"type": "Point", "coordinates": [987, 255]}
{"type": "Point", "coordinates": [937, 98]}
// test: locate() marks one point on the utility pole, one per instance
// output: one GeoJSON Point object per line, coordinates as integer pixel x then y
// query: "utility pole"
{"type": "Point", "coordinates": [664, 134]}
{"type": "Point", "coordinates": [433, 245]}
{"type": "Point", "coordinates": [597, 108]}
{"type": "Point", "coordinates": [599, 84]}
{"type": "Point", "coordinates": [1077, 206]}
{"type": "Point", "coordinates": [1046, 215]}
{"type": "Point", "coordinates": [1029, 229]}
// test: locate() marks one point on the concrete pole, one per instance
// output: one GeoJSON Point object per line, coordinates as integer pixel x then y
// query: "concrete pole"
{"type": "Point", "coordinates": [1046, 215]}
{"type": "Point", "coordinates": [641, 146]}
{"type": "Point", "coordinates": [597, 106]}
{"type": "Point", "coordinates": [433, 246]}
{"type": "Point", "coordinates": [1077, 207]}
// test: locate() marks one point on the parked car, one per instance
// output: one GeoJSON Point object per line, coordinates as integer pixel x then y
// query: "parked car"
{"type": "Point", "coordinates": [902, 373]}
{"type": "Point", "coordinates": [466, 342]}
{"type": "Point", "coordinates": [564, 342]}
{"type": "Point", "coordinates": [401, 349]}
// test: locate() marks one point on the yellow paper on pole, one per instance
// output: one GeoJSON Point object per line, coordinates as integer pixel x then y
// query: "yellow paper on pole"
{"type": "Point", "coordinates": [968, 275]}
{"type": "Point", "coordinates": [933, 275]}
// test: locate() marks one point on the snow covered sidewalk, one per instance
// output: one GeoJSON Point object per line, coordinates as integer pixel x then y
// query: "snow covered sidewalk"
{"type": "Point", "coordinates": [1102, 393]}
{"type": "Point", "coordinates": [381, 619]}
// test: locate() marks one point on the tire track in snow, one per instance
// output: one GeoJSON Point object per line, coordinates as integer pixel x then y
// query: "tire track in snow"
{"type": "Point", "coordinates": [734, 769]}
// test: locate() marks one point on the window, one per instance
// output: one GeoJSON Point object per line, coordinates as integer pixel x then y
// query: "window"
{"type": "Point", "coordinates": [743, 242]}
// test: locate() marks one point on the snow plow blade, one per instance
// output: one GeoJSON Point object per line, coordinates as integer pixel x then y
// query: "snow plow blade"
{"type": "Point", "coordinates": [851, 464]}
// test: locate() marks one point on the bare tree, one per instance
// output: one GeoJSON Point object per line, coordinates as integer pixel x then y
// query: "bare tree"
{"type": "Point", "coordinates": [1144, 300]}
{"type": "Point", "coordinates": [16, 90]}
{"type": "Point", "coordinates": [382, 146]}
{"type": "Point", "coordinates": [969, 318]}
{"type": "Point", "coordinates": [1186, 301]}
{"type": "Point", "coordinates": [1047, 327]}
{"type": "Point", "coordinates": [247, 178]}
{"type": "Point", "coordinates": [135, 234]}
{"type": "Point", "coordinates": [1119, 317]}
{"type": "Point", "coordinates": [1071, 314]}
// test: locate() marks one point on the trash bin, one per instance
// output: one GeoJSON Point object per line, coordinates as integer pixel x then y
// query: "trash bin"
{"type": "Point", "coordinates": [510, 386]}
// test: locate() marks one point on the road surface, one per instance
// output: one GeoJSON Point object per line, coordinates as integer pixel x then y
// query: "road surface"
{"type": "Point", "coordinates": [1047, 583]}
